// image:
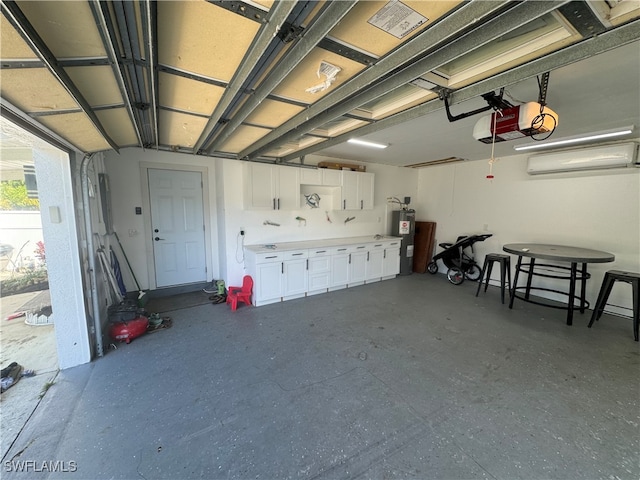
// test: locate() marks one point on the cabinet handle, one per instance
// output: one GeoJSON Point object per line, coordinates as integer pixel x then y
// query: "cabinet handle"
{"type": "Point", "coordinates": [282, 267]}
{"type": "Point", "coordinates": [363, 246]}
{"type": "Point", "coordinates": [361, 204]}
{"type": "Point", "coordinates": [274, 204]}
{"type": "Point", "coordinates": [321, 251]}
{"type": "Point", "coordinates": [296, 254]}
{"type": "Point", "coordinates": [378, 245]}
{"type": "Point", "coordinates": [349, 259]}
{"type": "Point", "coordinates": [307, 264]}
{"type": "Point", "coordinates": [367, 256]}
{"type": "Point", "coordinates": [344, 204]}
{"type": "Point", "coordinates": [385, 254]}
{"type": "Point", "coordinates": [341, 249]}
{"type": "Point", "coordinates": [273, 256]}
{"type": "Point", "coordinates": [278, 204]}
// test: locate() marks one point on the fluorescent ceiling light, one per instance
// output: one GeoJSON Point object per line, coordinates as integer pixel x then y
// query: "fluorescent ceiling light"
{"type": "Point", "coordinates": [364, 143]}
{"type": "Point", "coordinates": [590, 137]}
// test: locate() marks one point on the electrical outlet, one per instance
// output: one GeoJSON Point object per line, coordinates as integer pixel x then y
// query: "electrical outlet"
{"type": "Point", "coordinates": [242, 231]}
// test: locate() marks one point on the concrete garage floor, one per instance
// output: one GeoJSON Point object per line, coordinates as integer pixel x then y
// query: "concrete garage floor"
{"type": "Point", "coordinates": [410, 378]}
{"type": "Point", "coordinates": [33, 347]}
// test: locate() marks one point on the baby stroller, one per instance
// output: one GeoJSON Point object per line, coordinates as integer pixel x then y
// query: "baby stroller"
{"type": "Point", "coordinates": [461, 264]}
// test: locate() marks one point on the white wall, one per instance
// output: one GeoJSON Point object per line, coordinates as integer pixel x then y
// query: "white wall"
{"type": "Point", "coordinates": [55, 190]}
{"type": "Point", "coordinates": [598, 209]}
{"type": "Point", "coordinates": [228, 215]}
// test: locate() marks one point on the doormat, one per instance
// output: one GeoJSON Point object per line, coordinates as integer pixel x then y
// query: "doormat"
{"type": "Point", "coordinates": [177, 302]}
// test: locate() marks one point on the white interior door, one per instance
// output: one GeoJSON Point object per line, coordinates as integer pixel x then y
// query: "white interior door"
{"type": "Point", "coordinates": [177, 224]}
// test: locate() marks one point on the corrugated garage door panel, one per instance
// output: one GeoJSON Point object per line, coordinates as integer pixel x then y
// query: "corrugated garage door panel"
{"type": "Point", "coordinates": [68, 28]}
{"type": "Point", "coordinates": [355, 30]}
{"type": "Point", "coordinates": [118, 125]}
{"type": "Point", "coordinates": [305, 75]}
{"type": "Point", "coordinates": [35, 90]}
{"type": "Point", "coordinates": [180, 129]}
{"type": "Point", "coordinates": [272, 113]}
{"type": "Point", "coordinates": [12, 46]}
{"type": "Point", "coordinates": [188, 95]}
{"type": "Point", "coordinates": [78, 129]}
{"type": "Point", "coordinates": [97, 84]}
{"type": "Point", "coordinates": [242, 137]}
{"type": "Point", "coordinates": [203, 38]}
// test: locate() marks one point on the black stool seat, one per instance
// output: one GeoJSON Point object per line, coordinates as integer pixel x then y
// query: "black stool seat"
{"type": "Point", "coordinates": [610, 278]}
{"type": "Point", "coordinates": [505, 271]}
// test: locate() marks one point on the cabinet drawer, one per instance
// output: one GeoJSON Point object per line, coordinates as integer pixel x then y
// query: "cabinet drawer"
{"type": "Point", "coordinates": [269, 257]}
{"type": "Point", "coordinates": [394, 244]}
{"type": "Point", "coordinates": [296, 254]}
{"type": "Point", "coordinates": [319, 252]}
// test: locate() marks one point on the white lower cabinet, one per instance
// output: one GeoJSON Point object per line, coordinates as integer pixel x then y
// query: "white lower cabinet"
{"type": "Point", "coordinates": [358, 265]}
{"type": "Point", "coordinates": [339, 268]}
{"type": "Point", "coordinates": [319, 273]}
{"type": "Point", "coordinates": [391, 260]}
{"type": "Point", "coordinates": [267, 278]}
{"type": "Point", "coordinates": [375, 263]}
{"type": "Point", "coordinates": [287, 273]}
{"type": "Point", "coordinates": [294, 275]}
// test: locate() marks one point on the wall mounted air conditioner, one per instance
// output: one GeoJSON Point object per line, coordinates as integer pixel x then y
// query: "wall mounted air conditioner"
{"type": "Point", "coordinates": [591, 158]}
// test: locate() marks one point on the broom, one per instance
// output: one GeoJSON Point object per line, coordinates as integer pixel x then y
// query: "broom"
{"type": "Point", "coordinates": [142, 295]}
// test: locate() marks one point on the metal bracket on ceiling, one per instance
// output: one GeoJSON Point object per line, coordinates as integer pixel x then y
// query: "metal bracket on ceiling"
{"type": "Point", "coordinates": [290, 32]}
{"type": "Point", "coordinates": [495, 102]}
{"type": "Point", "coordinates": [244, 9]}
{"type": "Point", "coordinates": [543, 85]}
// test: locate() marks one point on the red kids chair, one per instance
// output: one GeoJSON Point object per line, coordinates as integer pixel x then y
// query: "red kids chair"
{"type": "Point", "coordinates": [240, 294]}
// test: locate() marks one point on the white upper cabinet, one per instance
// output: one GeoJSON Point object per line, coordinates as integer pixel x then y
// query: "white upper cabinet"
{"type": "Point", "coordinates": [271, 187]}
{"type": "Point", "coordinates": [357, 190]}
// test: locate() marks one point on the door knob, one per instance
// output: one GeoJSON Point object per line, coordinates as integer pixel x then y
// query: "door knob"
{"type": "Point", "coordinates": [156, 230]}
{"type": "Point", "coordinates": [158, 238]}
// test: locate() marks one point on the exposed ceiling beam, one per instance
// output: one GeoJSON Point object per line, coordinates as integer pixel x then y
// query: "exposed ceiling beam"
{"type": "Point", "coordinates": [18, 117]}
{"type": "Point", "coordinates": [277, 15]}
{"type": "Point", "coordinates": [19, 21]}
{"type": "Point", "coordinates": [332, 14]}
{"type": "Point", "coordinates": [150, 19]}
{"type": "Point", "coordinates": [448, 27]}
{"type": "Point", "coordinates": [498, 25]}
{"type": "Point", "coordinates": [587, 48]}
{"type": "Point", "coordinates": [107, 41]}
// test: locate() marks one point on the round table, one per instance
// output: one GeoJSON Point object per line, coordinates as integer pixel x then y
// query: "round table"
{"type": "Point", "coordinates": [556, 253]}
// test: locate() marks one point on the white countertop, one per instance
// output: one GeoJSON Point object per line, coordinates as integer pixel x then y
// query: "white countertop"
{"type": "Point", "coordinates": [327, 242]}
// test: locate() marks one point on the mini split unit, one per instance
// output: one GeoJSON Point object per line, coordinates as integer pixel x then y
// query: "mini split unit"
{"type": "Point", "coordinates": [591, 158]}
{"type": "Point", "coordinates": [515, 122]}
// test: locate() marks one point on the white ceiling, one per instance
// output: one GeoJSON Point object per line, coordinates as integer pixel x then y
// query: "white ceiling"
{"type": "Point", "coordinates": [219, 78]}
{"type": "Point", "coordinates": [600, 93]}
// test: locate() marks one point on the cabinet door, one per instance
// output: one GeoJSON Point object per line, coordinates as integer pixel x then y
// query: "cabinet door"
{"type": "Point", "coordinates": [375, 262]}
{"type": "Point", "coordinates": [319, 274]}
{"type": "Point", "coordinates": [339, 269]}
{"type": "Point", "coordinates": [391, 265]}
{"type": "Point", "coordinates": [310, 176]}
{"type": "Point", "coordinates": [357, 267]}
{"type": "Point", "coordinates": [288, 197]}
{"type": "Point", "coordinates": [268, 284]}
{"type": "Point", "coordinates": [365, 190]}
{"type": "Point", "coordinates": [294, 278]}
{"type": "Point", "coordinates": [260, 192]}
{"type": "Point", "coordinates": [331, 178]}
{"type": "Point", "coordinates": [350, 191]}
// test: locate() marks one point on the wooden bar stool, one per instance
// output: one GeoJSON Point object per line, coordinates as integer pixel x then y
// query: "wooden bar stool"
{"type": "Point", "coordinates": [505, 271]}
{"type": "Point", "coordinates": [610, 278]}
